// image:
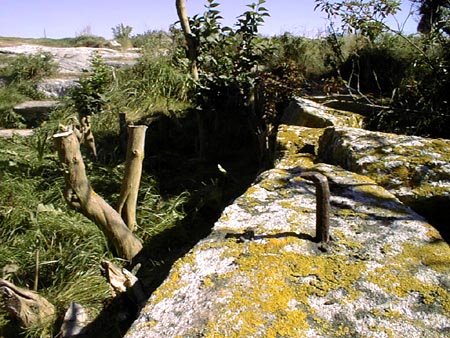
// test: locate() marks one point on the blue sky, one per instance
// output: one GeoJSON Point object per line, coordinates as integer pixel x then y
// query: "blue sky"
{"type": "Point", "coordinates": [69, 18]}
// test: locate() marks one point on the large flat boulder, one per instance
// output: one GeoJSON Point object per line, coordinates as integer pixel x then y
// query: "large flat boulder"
{"type": "Point", "coordinates": [34, 112]}
{"type": "Point", "coordinates": [75, 60]}
{"type": "Point", "coordinates": [261, 274]}
{"type": "Point", "coordinates": [307, 113]}
{"type": "Point", "coordinates": [57, 88]}
{"type": "Point", "coordinates": [9, 133]}
{"type": "Point", "coordinates": [415, 169]}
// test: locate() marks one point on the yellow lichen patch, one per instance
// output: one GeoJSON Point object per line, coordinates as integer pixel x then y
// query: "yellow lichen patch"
{"type": "Point", "coordinates": [274, 184]}
{"type": "Point", "coordinates": [172, 284]}
{"type": "Point", "coordinates": [251, 190]}
{"type": "Point", "coordinates": [352, 213]}
{"type": "Point", "coordinates": [433, 255]}
{"type": "Point", "coordinates": [432, 233]}
{"type": "Point", "coordinates": [374, 191]}
{"type": "Point", "coordinates": [271, 287]}
{"type": "Point", "coordinates": [399, 276]}
{"type": "Point", "coordinates": [303, 161]}
{"type": "Point", "coordinates": [340, 239]}
{"type": "Point", "coordinates": [286, 204]}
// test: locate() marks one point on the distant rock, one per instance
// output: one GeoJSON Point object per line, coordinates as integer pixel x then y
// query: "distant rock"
{"type": "Point", "coordinates": [8, 133]}
{"type": "Point", "coordinates": [307, 113]}
{"type": "Point", "coordinates": [75, 60]}
{"type": "Point", "coordinates": [35, 112]}
{"type": "Point", "coordinates": [57, 88]}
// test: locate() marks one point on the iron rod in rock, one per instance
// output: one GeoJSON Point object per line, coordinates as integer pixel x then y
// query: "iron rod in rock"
{"type": "Point", "coordinates": [322, 206]}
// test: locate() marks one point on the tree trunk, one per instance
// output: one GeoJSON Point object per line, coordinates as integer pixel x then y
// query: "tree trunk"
{"type": "Point", "coordinates": [80, 196]}
{"type": "Point", "coordinates": [27, 306]}
{"type": "Point", "coordinates": [132, 178]}
{"type": "Point", "coordinates": [190, 38]}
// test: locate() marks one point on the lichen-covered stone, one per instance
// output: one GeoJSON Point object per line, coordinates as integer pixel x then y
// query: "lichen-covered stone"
{"type": "Point", "coordinates": [297, 145]}
{"type": "Point", "coordinates": [415, 169]}
{"type": "Point", "coordinates": [307, 113]}
{"type": "Point", "coordinates": [261, 274]}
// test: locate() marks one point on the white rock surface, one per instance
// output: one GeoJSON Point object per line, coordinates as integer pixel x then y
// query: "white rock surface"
{"type": "Point", "coordinates": [260, 274]}
{"type": "Point", "coordinates": [74, 60]}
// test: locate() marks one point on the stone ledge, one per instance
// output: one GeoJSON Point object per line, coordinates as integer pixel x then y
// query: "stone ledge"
{"type": "Point", "coordinates": [307, 113]}
{"type": "Point", "coordinates": [35, 112]}
{"type": "Point", "coordinates": [260, 274]}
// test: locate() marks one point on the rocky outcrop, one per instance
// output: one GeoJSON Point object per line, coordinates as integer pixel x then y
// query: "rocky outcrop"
{"type": "Point", "coordinates": [8, 133]}
{"type": "Point", "coordinates": [57, 88]}
{"type": "Point", "coordinates": [415, 169]}
{"type": "Point", "coordinates": [34, 112]}
{"type": "Point", "coordinates": [261, 273]}
{"type": "Point", "coordinates": [74, 60]}
{"type": "Point", "coordinates": [307, 113]}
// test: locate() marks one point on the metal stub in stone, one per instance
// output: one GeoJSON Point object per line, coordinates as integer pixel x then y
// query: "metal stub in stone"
{"type": "Point", "coordinates": [322, 207]}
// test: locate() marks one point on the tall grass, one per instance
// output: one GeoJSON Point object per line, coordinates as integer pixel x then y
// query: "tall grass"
{"type": "Point", "coordinates": [152, 86]}
{"type": "Point", "coordinates": [47, 247]}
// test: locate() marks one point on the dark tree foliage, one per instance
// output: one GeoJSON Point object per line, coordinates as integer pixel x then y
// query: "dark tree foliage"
{"type": "Point", "coordinates": [434, 16]}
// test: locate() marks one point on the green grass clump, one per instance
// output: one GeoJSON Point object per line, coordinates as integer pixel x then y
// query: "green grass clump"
{"type": "Point", "coordinates": [46, 246]}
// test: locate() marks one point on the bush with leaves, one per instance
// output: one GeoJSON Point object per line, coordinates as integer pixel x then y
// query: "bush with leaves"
{"type": "Point", "coordinates": [420, 82]}
{"type": "Point", "coordinates": [30, 67]}
{"type": "Point", "coordinates": [21, 74]}
{"type": "Point", "coordinates": [228, 103]}
{"type": "Point", "coordinates": [122, 34]}
{"type": "Point", "coordinates": [89, 97]}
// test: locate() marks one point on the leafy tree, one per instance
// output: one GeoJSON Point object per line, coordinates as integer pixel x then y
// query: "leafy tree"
{"type": "Point", "coordinates": [89, 97]}
{"type": "Point", "coordinates": [434, 16]}
{"type": "Point", "coordinates": [227, 86]}
{"type": "Point", "coordinates": [366, 17]}
{"type": "Point", "coordinates": [422, 90]}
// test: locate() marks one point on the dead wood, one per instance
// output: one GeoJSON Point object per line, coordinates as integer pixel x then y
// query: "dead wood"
{"type": "Point", "coordinates": [121, 280]}
{"type": "Point", "coordinates": [190, 38]}
{"type": "Point", "coordinates": [132, 177]}
{"type": "Point", "coordinates": [80, 196]}
{"type": "Point", "coordinates": [26, 306]}
{"type": "Point", "coordinates": [87, 137]}
{"type": "Point", "coordinates": [75, 320]}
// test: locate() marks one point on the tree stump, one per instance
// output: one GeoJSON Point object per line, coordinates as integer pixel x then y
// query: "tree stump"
{"type": "Point", "coordinates": [132, 177]}
{"type": "Point", "coordinates": [81, 197]}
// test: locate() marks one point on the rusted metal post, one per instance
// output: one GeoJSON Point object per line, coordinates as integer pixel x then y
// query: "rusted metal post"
{"type": "Point", "coordinates": [322, 206]}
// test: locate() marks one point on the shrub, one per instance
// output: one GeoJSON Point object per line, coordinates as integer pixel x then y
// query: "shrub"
{"type": "Point", "coordinates": [30, 67]}
{"type": "Point", "coordinates": [122, 34]}
{"type": "Point", "coordinates": [90, 41]}
{"type": "Point", "coordinates": [89, 98]}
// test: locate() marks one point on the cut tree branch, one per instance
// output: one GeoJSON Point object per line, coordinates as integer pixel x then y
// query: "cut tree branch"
{"type": "Point", "coordinates": [80, 196]}
{"type": "Point", "coordinates": [132, 177]}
